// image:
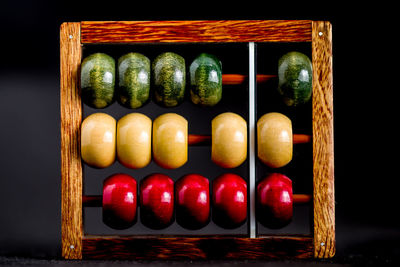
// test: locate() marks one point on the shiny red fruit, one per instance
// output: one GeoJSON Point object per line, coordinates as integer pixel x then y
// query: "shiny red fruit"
{"type": "Point", "coordinates": [275, 201]}
{"type": "Point", "coordinates": [192, 194]}
{"type": "Point", "coordinates": [157, 201]}
{"type": "Point", "coordinates": [229, 200]}
{"type": "Point", "coordinates": [119, 201]}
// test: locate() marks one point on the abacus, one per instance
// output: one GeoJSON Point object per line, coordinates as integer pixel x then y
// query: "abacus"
{"type": "Point", "coordinates": [251, 41]}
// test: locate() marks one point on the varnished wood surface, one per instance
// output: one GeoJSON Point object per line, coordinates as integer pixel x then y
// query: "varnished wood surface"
{"type": "Point", "coordinates": [196, 139]}
{"type": "Point", "coordinates": [92, 201]}
{"type": "Point", "coordinates": [301, 138]}
{"type": "Point", "coordinates": [323, 157]}
{"type": "Point", "coordinates": [71, 118]}
{"type": "Point", "coordinates": [235, 79]}
{"type": "Point", "coordinates": [302, 198]}
{"type": "Point", "coordinates": [321, 245]}
{"type": "Point", "coordinates": [195, 31]}
{"type": "Point", "coordinates": [208, 247]}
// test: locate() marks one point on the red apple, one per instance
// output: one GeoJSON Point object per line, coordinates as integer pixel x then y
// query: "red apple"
{"type": "Point", "coordinates": [192, 194]}
{"type": "Point", "coordinates": [229, 200]}
{"type": "Point", "coordinates": [119, 201]}
{"type": "Point", "coordinates": [275, 201]}
{"type": "Point", "coordinates": [157, 201]}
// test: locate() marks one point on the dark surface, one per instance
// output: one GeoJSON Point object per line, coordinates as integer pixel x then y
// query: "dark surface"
{"type": "Point", "coordinates": [366, 180]}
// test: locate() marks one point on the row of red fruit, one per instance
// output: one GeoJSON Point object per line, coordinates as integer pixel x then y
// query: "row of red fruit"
{"type": "Point", "coordinates": [189, 200]}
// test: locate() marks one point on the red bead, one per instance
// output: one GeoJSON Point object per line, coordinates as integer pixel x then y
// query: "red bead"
{"type": "Point", "coordinates": [119, 201]}
{"type": "Point", "coordinates": [192, 194]}
{"type": "Point", "coordinates": [275, 201]}
{"type": "Point", "coordinates": [157, 201]}
{"type": "Point", "coordinates": [229, 200]}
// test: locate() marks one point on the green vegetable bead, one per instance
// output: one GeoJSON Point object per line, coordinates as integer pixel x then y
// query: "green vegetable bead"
{"type": "Point", "coordinates": [169, 78]}
{"type": "Point", "coordinates": [134, 80]}
{"type": "Point", "coordinates": [206, 80]}
{"type": "Point", "coordinates": [295, 78]}
{"type": "Point", "coordinates": [98, 80]}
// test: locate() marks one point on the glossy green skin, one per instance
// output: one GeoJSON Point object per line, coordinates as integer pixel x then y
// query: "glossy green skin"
{"type": "Point", "coordinates": [134, 80]}
{"type": "Point", "coordinates": [295, 78]}
{"type": "Point", "coordinates": [98, 80]}
{"type": "Point", "coordinates": [169, 79]}
{"type": "Point", "coordinates": [205, 80]}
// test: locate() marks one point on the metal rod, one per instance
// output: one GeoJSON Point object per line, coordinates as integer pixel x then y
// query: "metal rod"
{"type": "Point", "coordinates": [252, 142]}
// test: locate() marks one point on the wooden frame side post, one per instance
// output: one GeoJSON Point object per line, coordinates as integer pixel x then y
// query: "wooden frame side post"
{"type": "Point", "coordinates": [323, 159]}
{"type": "Point", "coordinates": [71, 118]}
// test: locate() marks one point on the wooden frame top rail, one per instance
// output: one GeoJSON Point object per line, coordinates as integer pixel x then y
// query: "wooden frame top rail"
{"type": "Point", "coordinates": [196, 31]}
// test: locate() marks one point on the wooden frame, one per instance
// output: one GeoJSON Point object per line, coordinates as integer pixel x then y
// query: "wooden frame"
{"type": "Point", "coordinates": [76, 245]}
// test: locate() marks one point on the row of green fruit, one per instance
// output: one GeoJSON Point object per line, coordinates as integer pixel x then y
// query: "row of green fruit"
{"type": "Point", "coordinates": [168, 78]}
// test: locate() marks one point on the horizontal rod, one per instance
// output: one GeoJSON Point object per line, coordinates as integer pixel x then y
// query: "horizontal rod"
{"type": "Point", "coordinates": [301, 198]}
{"type": "Point", "coordinates": [198, 139]}
{"type": "Point", "coordinates": [301, 138]}
{"type": "Point", "coordinates": [97, 201]}
{"type": "Point", "coordinates": [92, 201]}
{"type": "Point", "coordinates": [235, 79]}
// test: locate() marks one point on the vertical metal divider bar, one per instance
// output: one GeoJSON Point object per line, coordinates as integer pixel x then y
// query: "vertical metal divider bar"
{"type": "Point", "coordinates": [252, 132]}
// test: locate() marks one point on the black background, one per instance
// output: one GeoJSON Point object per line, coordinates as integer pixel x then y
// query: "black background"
{"type": "Point", "coordinates": [365, 62]}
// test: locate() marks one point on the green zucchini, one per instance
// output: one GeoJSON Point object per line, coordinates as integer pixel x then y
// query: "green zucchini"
{"type": "Point", "coordinates": [169, 79]}
{"type": "Point", "coordinates": [133, 80]}
{"type": "Point", "coordinates": [205, 80]}
{"type": "Point", "coordinates": [98, 80]}
{"type": "Point", "coordinates": [295, 78]}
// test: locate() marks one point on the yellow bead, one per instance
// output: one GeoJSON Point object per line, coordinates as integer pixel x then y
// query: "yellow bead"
{"type": "Point", "coordinates": [275, 139]}
{"type": "Point", "coordinates": [134, 140]}
{"type": "Point", "coordinates": [98, 140]}
{"type": "Point", "coordinates": [170, 140]}
{"type": "Point", "coordinates": [229, 140]}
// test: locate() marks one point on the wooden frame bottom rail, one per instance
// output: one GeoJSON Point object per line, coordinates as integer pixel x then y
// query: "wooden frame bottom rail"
{"type": "Point", "coordinates": [210, 248]}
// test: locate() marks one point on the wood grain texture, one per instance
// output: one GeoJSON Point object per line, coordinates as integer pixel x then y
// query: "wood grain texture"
{"type": "Point", "coordinates": [235, 79]}
{"type": "Point", "coordinates": [75, 245]}
{"type": "Point", "coordinates": [323, 157]}
{"type": "Point", "coordinates": [71, 166]}
{"type": "Point", "coordinates": [147, 247]}
{"type": "Point", "coordinates": [196, 31]}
